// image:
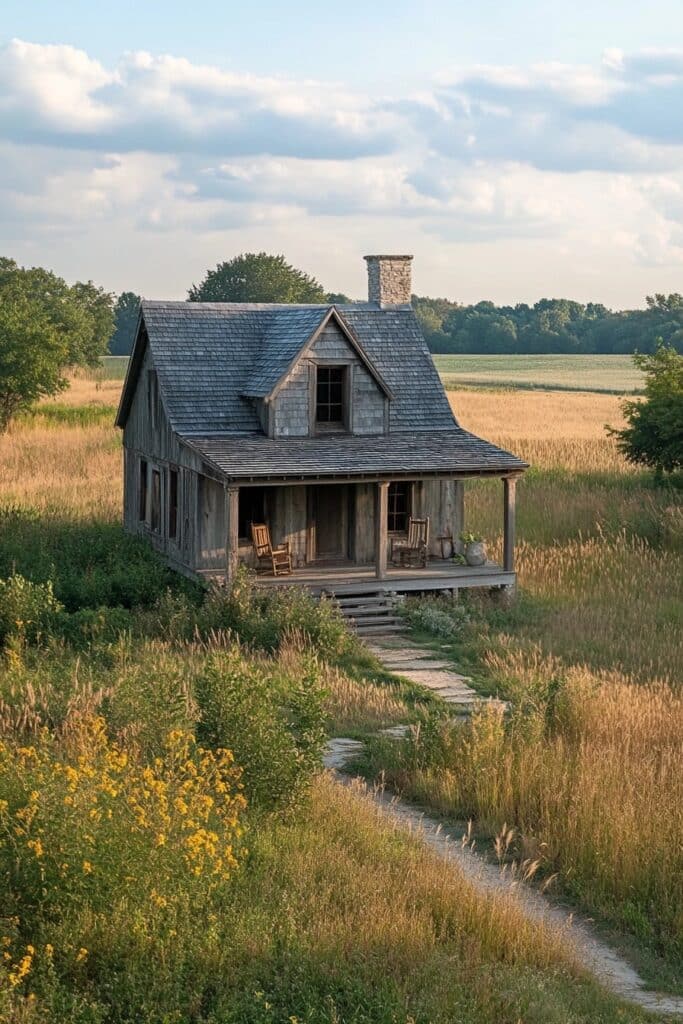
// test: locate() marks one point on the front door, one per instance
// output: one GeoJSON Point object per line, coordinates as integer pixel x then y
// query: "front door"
{"type": "Point", "coordinates": [329, 523]}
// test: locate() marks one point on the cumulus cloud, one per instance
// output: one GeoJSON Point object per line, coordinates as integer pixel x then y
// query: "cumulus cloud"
{"type": "Point", "coordinates": [59, 96]}
{"type": "Point", "coordinates": [621, 116]}
{"type": "Point", "coordinates": [561, 154]}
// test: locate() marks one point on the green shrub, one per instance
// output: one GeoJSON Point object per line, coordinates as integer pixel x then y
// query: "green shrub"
{"type": "Point", "coordinates": [272, 716]}
{"type": "Point", "coordinates": [90, 564]}
{"type": "Point", "coordinates": [439, 616]}
{"type": "Point", "coordinates": [27, 610]}
{"type": "Point", "coordinates": [93, 625]}
{"type": "Point", "coordinates": [264, 616]}
{"type": "Point", "coordinates": [102, 856]}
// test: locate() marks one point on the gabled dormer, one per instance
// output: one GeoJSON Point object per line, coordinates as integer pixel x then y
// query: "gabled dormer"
{"type": "Point", "coordinates": [313, 377]}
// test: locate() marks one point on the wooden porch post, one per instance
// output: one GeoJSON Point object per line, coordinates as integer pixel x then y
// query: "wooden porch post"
{"type": "Point", "coordinates": [232, 505]}
{"type": "Point", "coordinates": [381, 516]}
{"type": "Point", "coordinates": [509, 488]}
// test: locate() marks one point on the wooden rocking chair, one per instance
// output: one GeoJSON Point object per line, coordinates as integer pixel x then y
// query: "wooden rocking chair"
{"type": "Point", "coordinates": [278, 560]}
{"type": "Point", "coordinates": [413, 548]}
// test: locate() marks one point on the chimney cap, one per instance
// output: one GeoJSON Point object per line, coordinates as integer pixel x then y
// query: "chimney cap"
{"type": "Point", "coordinates": [387, 257]}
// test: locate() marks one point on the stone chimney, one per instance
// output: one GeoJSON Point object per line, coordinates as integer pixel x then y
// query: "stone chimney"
{"type": "Point", "coordinates": [389, 280]}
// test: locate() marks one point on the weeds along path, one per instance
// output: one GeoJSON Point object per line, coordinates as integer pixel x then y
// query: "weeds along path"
{"type": "Point", "coordinates": [610, 969]}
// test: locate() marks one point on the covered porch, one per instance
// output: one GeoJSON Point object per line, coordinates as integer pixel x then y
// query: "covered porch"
{"type": "Point", "coordinates": [366, 514]}
{"type": "Point", "coordinates": [347, 579]}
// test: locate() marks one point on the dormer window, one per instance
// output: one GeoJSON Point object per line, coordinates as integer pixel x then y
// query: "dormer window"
{"type": "Point", "coordinates": [331, 397]}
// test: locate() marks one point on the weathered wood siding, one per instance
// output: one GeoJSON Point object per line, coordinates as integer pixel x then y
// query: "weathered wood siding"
{"type": "Point", "coordinates": [212, 525]}
{"type": "Point", "coordinates": [291, 407]}
{"type": "Point", "coordinates": [153, 440]}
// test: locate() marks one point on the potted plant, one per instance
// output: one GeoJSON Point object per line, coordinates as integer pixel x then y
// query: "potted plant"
{"type": "Point", "coordinates": [474, 548]}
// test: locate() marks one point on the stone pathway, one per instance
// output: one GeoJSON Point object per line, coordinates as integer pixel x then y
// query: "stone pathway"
{"type": "Point", "coordinates": [607, 965]}
{"type": "Point", "coordinates": [420, 665]}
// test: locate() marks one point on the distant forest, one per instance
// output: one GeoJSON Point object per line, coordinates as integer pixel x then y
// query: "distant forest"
{"type": "Point", "coordinates": [549, 326]}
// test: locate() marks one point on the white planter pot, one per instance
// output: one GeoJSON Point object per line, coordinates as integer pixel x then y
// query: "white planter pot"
{"type": "Point", "coordinates": [475, 553]}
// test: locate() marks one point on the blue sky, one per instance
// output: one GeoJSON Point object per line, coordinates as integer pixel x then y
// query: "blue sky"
{"type": "Point", "coordinates": [517, 149]}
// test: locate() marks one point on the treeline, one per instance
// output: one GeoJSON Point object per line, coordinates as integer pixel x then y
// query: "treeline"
{"type": "Point", "coordinates": [550, 326]}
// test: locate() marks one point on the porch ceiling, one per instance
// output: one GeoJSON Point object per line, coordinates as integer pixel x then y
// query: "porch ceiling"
{"type": "Point", "coordinates": [454, 452]}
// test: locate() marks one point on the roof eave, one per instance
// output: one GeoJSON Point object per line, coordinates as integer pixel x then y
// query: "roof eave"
{"type": "Point", "coordinates": [134, 364]}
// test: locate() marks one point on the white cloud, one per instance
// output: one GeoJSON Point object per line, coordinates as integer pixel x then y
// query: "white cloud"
{"type": "Point", "coordinates": [582, 163]}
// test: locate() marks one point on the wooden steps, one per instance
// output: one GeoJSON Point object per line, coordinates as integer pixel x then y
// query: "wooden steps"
{"type": "Point", "coordinates": [371, 613]}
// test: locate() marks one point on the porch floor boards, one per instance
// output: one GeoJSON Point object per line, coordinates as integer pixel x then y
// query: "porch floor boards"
{"type": "Point", "coordinates": [347, 578]}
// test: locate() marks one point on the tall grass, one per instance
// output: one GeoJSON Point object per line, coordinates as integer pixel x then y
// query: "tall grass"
{"type": "Point", "coordinates": [586, 773]}
{"type": "Point", "coordinates": [333, 915]}
{"type": "Point", "coordinates": [586, 770]}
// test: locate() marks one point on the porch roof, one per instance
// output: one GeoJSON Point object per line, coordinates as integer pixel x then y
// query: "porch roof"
{"type": "Point", "coordinates": [253, 457]}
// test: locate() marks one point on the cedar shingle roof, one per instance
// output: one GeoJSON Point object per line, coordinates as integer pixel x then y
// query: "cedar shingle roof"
{"type": "Point", "coordinates": [209, 354]}
{"type": "Point", "coordinates": [350, 455]}
{"type": "Point", "coordinates": [212, 359]}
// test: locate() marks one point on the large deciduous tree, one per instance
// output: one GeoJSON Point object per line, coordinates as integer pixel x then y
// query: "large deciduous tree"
{"type": "Point", "coordinates": [126, 313]}
{"type": "Point", "coordinates": [46, 327]}
{"type": "Point", "coordinates": [653, 435]}
{"type": "Point", "coordinates": [257, 277]}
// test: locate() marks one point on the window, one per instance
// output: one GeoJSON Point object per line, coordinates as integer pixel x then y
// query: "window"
{"type": "Point", "coordinates": [252, 509]}
{"type": "Point", "coordinates": [329, 394]}
{"type": "Point", "coordinates": [142, 491]}
{"type": "Point", "coordinates": [155, 509]}
{"type": "Point", "coordinates": [399, 506]}
{"type": "Point", "coordinates": [173, 503]}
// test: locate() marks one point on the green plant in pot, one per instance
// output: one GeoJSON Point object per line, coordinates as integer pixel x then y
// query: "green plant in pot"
{"type": "Point", "coordinates": [474, 548]}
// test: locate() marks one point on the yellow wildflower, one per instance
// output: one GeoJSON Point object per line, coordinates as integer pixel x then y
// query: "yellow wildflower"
{"type": "Point", "coordinates": [37, 847]}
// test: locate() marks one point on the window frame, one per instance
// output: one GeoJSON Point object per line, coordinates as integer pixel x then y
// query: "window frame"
{"type": "Point", "coordinates": [143, 489]}
{"type": "Point", "coordinates": [265, 496]}
{"type": "Point", "coordinates": [392, 513]}
{"type": "Point", "coordinates": [155, 500]}
{"type": "Point", "coordinates": [346, 372]}
{"type": "Point", "coordinates": [173, 504]}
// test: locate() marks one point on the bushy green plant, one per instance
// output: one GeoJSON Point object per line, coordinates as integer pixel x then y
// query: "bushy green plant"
{"type": "Point", "coordinates": [102, 855]}
{"type": "Point", "coordinates": [439, 616]}
{"type": "Point", "coordinates": [653, 435]}
{"type": "Point", "coordinates": [271, 716]}
{"type": "Point", "coordinates": [263, 616]}
{"type": "Point", "coordinates": [27, 610]}
{"type": "Point", "coordinates": [90, 564]}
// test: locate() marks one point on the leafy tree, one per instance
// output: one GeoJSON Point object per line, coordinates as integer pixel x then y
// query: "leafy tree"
{"type": "Point", "coordinates": [100, 305]}
{"type": "Point", "coordinates": [126, 313]}
{"type": "Point", "coordinates": [45, 328]}
{"type": "Point", "coordinates": [654, 432]}
{"type": "Point", "coordinates": [257, 277]}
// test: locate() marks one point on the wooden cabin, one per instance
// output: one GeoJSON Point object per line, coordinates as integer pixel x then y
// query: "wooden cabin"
{"type": "Point", "coordinates": [328, 423]}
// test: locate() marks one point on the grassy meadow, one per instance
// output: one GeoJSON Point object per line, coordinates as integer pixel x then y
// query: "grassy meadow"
{"type": "Point", "coordinates": [169, 851]}
{"type": "Point", "coordinates": [611, 374]}
{"type": "Point", "coordinates": [582, 779]}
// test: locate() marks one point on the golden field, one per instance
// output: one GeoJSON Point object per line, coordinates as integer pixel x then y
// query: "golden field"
{"type": "Point", "coordinates": [585, 773]}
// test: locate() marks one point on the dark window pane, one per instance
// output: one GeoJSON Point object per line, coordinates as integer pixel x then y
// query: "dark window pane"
{"type": "Point", "coordinates": [142, 491]}
{"type": "Point", "coordinates": [173, 503]}
{"type": "Point", "coordinates": [330, 394]}
{"type": "Point", "coordinates": [398, 506]}
{"type": "Point", "coordinates": [253, 502]}
{"type": "Point", "coordinates": [155, 511]}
